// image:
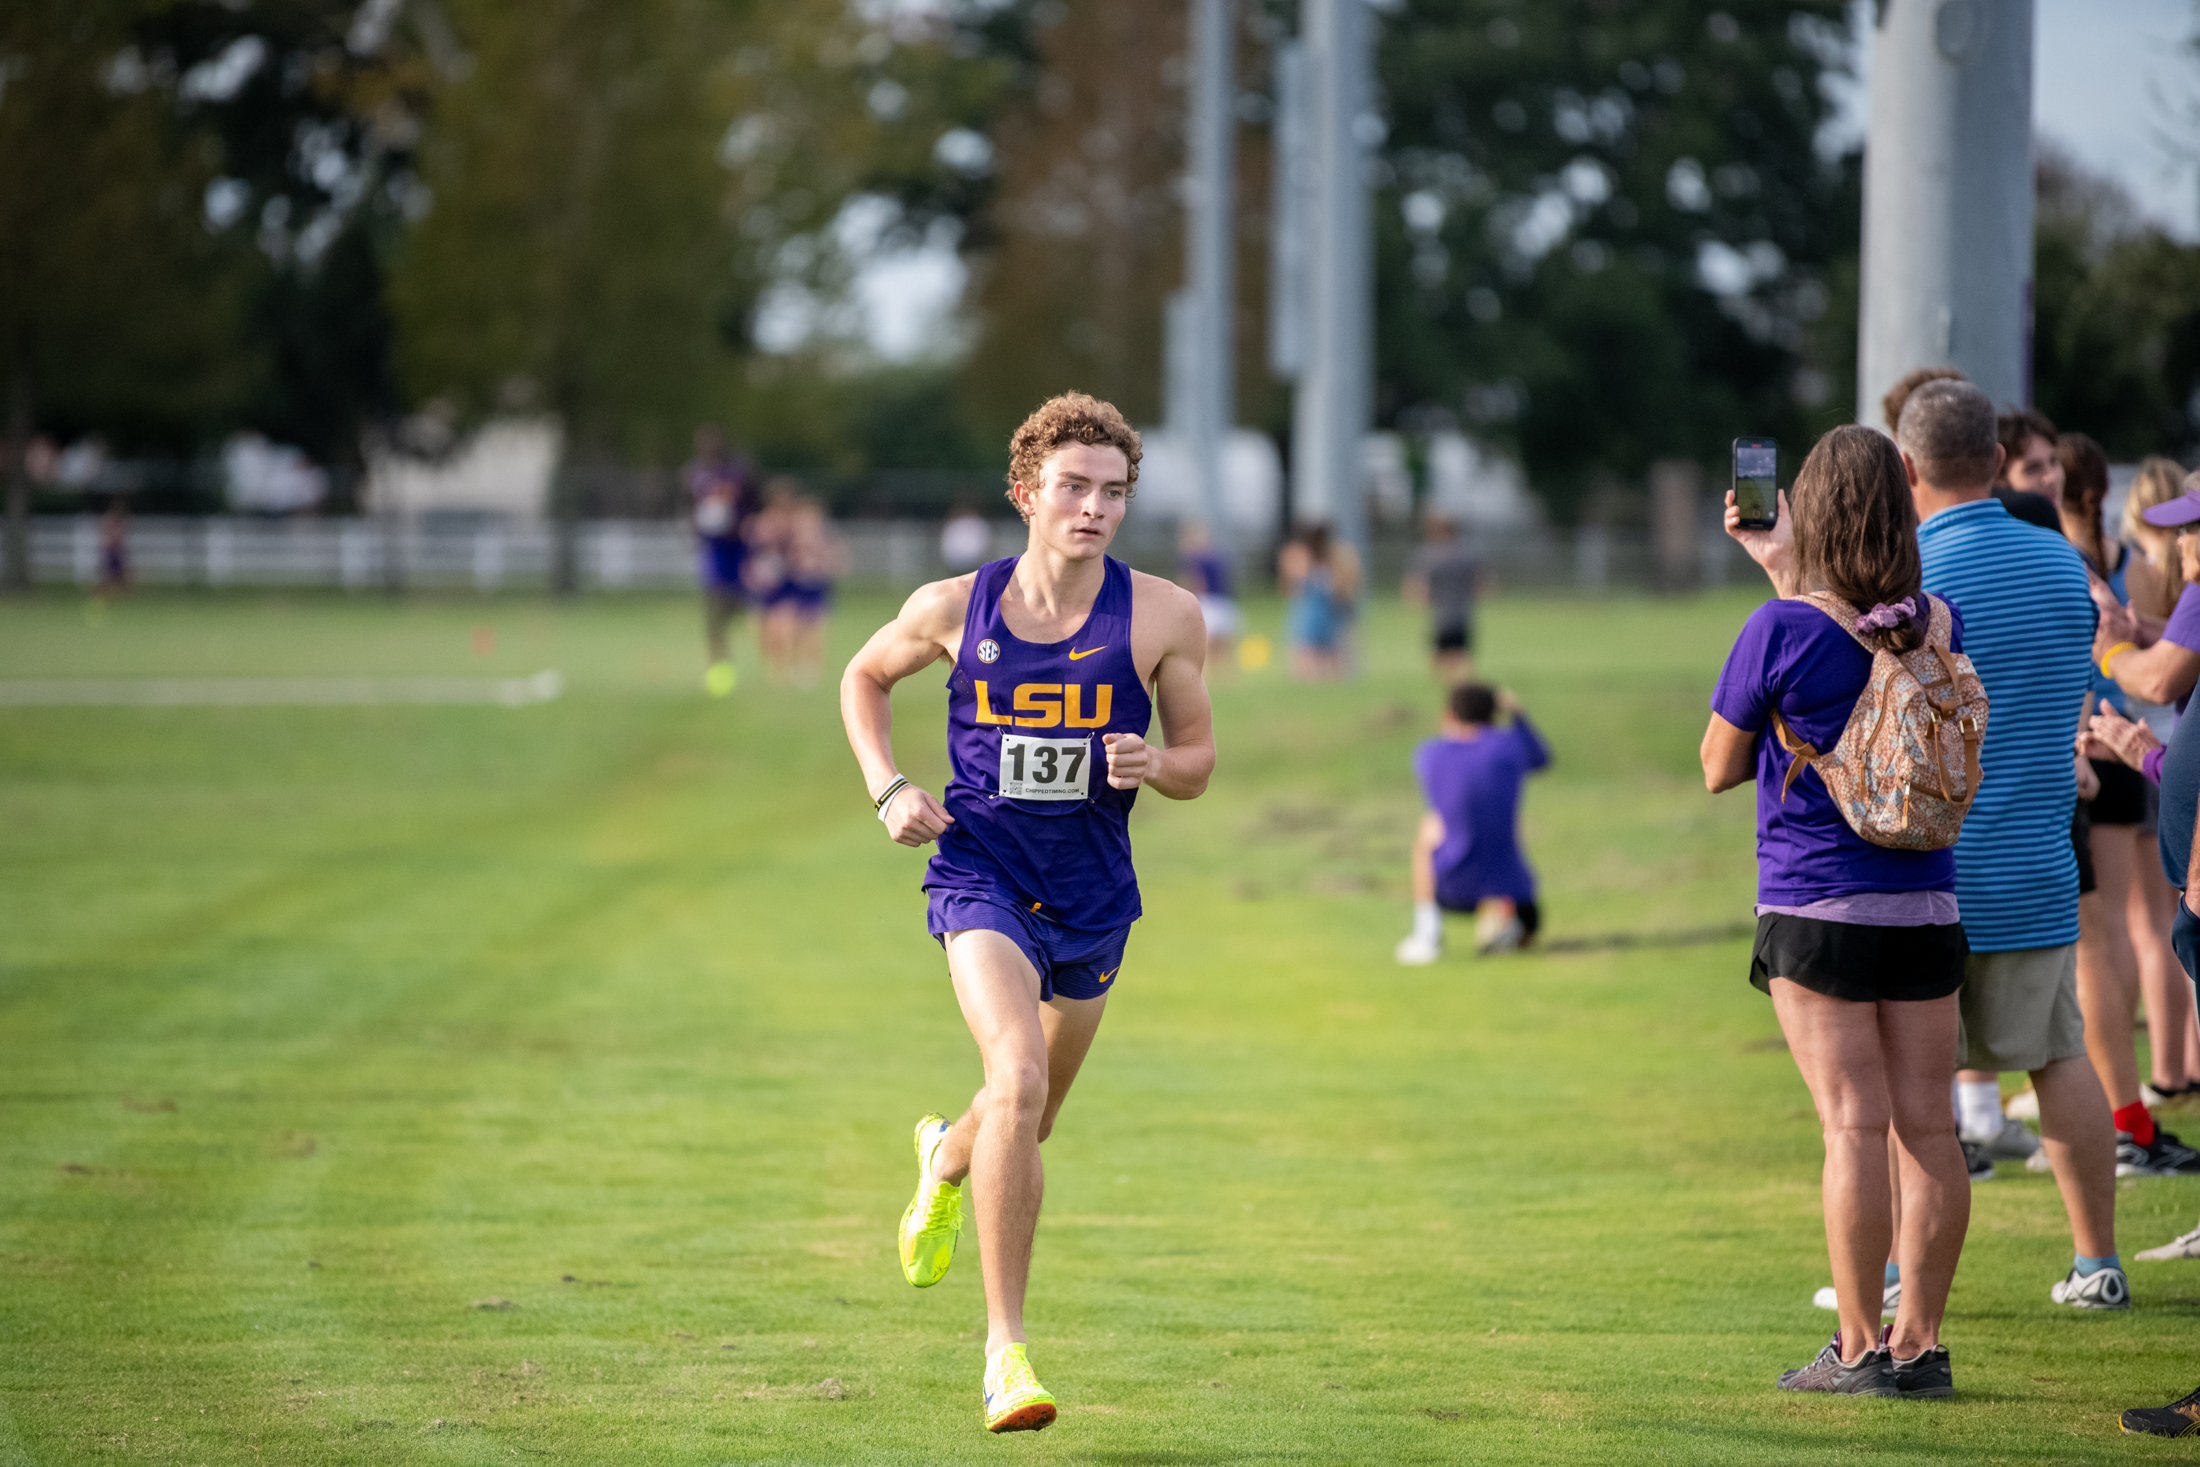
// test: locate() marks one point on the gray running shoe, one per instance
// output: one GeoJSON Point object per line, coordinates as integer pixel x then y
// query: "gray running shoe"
{"type": "Point", "coordinates": [1976, 1164]}
{"type": "Point", "coordinates": [2013, 1142]}
{"type": "Point", "coordinates": [2105, 1288]}
{"type": "Point", "coordinates": [1925, 1376]}
{"type": "Point", "coordinates": [2186, 1246]}
{"type": "Point", "coordinates": [1871, 1375]}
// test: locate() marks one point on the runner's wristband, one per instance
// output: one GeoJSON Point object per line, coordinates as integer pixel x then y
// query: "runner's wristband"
{"type": "Point", "coordinates": [2111, 654]}
{"type": "Point", "coordinates": [901, 782]}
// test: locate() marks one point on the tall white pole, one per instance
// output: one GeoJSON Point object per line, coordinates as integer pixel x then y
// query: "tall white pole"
{"type": "Point", "coordinates": [1289, 216]}
{"type": "Point", "coordinates": [1334, 403]}
{"type": "Point", "coordinates": [1211, 251]}
{"type": "Point", "coordinates": [1947, 267]}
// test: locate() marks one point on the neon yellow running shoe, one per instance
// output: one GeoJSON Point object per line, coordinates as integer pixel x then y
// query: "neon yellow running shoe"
{"type": "Point", "coordinates": [1014, 1399]}
{"type": "Point", "coordinates": [935, 1216]}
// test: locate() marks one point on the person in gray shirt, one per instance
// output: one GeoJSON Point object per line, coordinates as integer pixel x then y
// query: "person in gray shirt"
{"type": "Point", "coordinates": [1444, 575]}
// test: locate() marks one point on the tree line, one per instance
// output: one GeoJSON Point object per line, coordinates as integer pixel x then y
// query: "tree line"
{"type": "Point", "coordinates": [1606, 234]}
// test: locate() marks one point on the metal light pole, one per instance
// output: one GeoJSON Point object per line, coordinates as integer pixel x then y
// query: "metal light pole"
{"type": "Point", "coordinates": [1947, 271]}
{"type": "Point", "coordinates": [1333, 407]}
{"type": "Point", "coordinates": [1201, 358]}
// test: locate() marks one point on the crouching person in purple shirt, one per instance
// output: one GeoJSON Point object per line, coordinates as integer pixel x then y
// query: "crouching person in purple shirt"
{"type": "Point", "coordinates": [1860, 946]}
{"type": "Point", "coordinates": [1466, 853]}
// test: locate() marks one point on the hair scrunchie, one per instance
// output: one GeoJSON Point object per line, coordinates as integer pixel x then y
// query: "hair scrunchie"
{"type": "Point", "coordinates": [1885, 617]}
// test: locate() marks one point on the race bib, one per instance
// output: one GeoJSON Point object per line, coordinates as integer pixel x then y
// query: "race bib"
{"type": "Point", "coordinates": [714, 516]}
{"type": "Point", "coordinates": [1045, 769]}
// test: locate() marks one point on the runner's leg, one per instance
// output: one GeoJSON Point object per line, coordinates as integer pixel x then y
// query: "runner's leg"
{"type": "Point", "coordinates": [996, 1142]}
{"type": "Point", "coordinates": [1070, 1024]}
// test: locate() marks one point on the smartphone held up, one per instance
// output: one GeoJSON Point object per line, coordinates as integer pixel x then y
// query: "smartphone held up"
{"type": "Point", "coordinates": [1757, 482]}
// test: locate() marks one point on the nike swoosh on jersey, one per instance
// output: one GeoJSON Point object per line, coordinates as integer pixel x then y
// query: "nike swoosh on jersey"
{"type": "Point", "coordinates": [1075, 654]}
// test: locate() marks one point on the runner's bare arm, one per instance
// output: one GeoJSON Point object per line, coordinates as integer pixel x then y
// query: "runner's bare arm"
{"type": "Point", "coordinates": [1180, 771]}
{"type": "Point", "coordinates": [926, 630]}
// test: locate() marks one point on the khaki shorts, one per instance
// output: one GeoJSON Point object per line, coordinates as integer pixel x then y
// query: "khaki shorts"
{"type": "Point", "coordinates": [2020, 1009]}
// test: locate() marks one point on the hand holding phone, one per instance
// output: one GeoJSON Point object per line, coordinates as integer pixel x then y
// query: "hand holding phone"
{"type": "Point", "coordinates": [1757, 482]}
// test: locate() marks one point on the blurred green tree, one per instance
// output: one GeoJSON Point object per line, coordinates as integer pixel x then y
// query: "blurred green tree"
{"type": "Point", "coordinates": [617, 187]}
{"type": "Point", "coordinates": [120, 309]}
{"type": "Point", "coordinates": [2116, 318]}
{"type": "Point", "coordinates": [1611, 234]}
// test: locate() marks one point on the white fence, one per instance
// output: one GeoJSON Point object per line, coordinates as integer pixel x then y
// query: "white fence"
{"type": "Point", "coordinates": [643, 555]}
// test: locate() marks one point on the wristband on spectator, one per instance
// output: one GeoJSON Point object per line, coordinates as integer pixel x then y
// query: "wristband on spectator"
{"type": "Point", "coordinates": [2111, 654]}
{"type": "Point", "coordinates": [901, 782]}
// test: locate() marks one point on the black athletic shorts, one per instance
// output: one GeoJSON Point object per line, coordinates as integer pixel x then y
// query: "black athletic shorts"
{"type": "Point", "coordinates": [1848, 960]}
{"type": "Point", "coordinates": [2081, 846]}
{"type": "Point", "coordinates": [2123, 796]}
{"type": "Point", "coordinates": [1457, 637]}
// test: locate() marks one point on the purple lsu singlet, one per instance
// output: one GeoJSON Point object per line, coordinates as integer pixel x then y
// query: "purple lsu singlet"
{"type": "Point", "coordinates": [1035, 817]}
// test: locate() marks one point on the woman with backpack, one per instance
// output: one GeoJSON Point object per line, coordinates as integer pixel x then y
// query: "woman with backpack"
{"type": "Point", "coordinates": [1859, 940]}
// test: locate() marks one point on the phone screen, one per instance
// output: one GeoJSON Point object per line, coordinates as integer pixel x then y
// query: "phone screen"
{"type": "Point", "coordinates": [1756, 480]}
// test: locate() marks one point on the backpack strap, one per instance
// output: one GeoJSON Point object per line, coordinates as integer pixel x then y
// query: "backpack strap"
{"type": "Point", "coordinates": [1799, 752]}
{"type": "Point", "coordinates": [1939, 633]}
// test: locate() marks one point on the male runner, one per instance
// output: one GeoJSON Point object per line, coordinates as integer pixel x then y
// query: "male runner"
{"type": "Point", "coordinates": [1031, 892]}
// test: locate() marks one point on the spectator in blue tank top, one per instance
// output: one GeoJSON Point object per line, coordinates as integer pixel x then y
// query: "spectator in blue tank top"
{"type": "Point", "coordinates": [1466, 852]}
{"type": "Point", "coordinates": [2028, 621]}
{"type": "Point", "coordinates": [1861, 947]}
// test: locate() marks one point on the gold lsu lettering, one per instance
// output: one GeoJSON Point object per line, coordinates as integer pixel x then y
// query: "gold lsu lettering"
{"type": "Point", "coordinates": [1048, 705]}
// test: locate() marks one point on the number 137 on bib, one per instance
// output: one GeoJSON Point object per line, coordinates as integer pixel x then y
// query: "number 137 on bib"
{"type": "Point", "coordinates": [1045, 769]}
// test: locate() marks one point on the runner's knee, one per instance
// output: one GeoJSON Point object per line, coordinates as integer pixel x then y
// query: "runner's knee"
{"type": "Point", "coordinates": [1018, 1090]}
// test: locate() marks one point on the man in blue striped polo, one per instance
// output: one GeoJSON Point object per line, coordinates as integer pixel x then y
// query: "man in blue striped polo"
{"type": "Point", "coordinates": [2028, 622]}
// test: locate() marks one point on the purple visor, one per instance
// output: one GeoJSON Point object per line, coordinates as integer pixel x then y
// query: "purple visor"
{"type": "Point", "coordinates": [2183, 510]}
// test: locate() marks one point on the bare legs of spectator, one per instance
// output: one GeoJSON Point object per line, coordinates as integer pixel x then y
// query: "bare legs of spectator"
{"type": "Point", "coordinates": [2108, 975]}
{"type": "Point", "coordinates": [2173, 1036]}
{"type": "Point", "coordinates": [1427, 836]}
{"type": "Point", "coordinates": [1867, 1065]}
{"type": "Point", "coordinates": [2081, 1145]}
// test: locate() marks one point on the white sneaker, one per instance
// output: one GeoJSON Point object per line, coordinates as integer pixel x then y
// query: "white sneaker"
{"type": "Point", "coordinates": [2105, 1288]}
{"type": "Point", "coordinates": [1417, 951]}
{"type": "Point", "coordinates": [1890, 1299]}
{"type": "Point", "coordinates": [2187, 1246]}
{"type": "Point", "coordinates": [2152, 1098]}
{"type": "Point", "coordinates": [1503, 939]}
{"type": "Point", "coordinates": [2012, 1142]}
{"type": "Point", "coordinates": [2022, 1106]}
{"type": "Point", "coordinates": [2038, 1162]}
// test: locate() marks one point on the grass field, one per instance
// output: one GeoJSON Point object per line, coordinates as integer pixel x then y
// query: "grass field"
{"type": "Point", "coordinates": [323, 1029]}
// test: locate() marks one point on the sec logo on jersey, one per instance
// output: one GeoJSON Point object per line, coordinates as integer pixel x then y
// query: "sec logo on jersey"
{"type": "Point", "coordinates": [989, 650]}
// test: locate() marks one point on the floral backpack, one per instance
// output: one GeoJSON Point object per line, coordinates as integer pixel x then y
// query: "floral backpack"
{"type": "Point", "coordinates": [1906, 768]}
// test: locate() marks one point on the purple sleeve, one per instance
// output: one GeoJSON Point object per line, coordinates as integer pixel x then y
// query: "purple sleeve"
{"type": "Point", "coordinates": [1745, 696]}
{"type": "Point", "coordinates": [1531, 743]}
{"type": "Point", "coordinates": [2151, 764]}
{"type": "Point", "coordinates": [2184, 619]}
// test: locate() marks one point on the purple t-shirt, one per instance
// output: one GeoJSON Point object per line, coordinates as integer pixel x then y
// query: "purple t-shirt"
{"type": "Point", "coordinates": [1792, 658]}
{"type": "Point", "coordinates": [2184, 627]}
{"type": "Point", "coordinates": [1474, 786]}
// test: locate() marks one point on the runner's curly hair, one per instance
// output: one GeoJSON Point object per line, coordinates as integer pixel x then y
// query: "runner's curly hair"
{"type": "Point", "coordinates": [1073, 417]}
